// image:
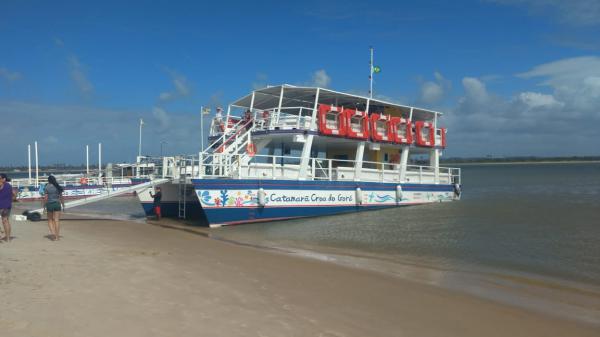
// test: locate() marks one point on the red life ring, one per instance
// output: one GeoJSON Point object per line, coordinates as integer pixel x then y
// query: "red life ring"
{"type": "Point", "coordinates": [83, 181]}
{"type": "Point", "coordinates": [251, 149]}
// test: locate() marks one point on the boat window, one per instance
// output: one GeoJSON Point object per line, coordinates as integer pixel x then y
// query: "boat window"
{"type": "Point", "coordinates": [381, 126]}
{"type": "Point", "coordinates": [401, 131]}
{"type": "Point", "coordinates": [356, 123]}
{"type": "Point", "coordinates": [331, 120]}
{"type": "Point", "coordinates": [425, 132]}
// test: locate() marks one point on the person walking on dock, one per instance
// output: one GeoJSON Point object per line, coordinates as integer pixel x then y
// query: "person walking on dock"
{"type": "Point", "coordinates": [7, 194]}
{"type": "Point", "coordinates": [53, 200]}
{"type": "Point", "coordinates": [157, 197]}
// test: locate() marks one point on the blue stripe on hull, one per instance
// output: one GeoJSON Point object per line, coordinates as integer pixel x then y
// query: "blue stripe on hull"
{"type": "Point", "coordinates": [231, 215]}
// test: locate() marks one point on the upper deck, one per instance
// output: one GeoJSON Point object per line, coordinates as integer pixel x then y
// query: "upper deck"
{"type": "Point", "coordinates": [283, 110]}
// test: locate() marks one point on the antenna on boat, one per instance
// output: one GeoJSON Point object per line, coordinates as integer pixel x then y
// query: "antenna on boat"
{"type": "Point", "coordinates": [373, 70]}
{"type": "Point", "coordinates": [371, 73]}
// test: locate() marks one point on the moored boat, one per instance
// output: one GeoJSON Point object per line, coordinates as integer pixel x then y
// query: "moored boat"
{"type": "Point", "coordinates": [286, 152]}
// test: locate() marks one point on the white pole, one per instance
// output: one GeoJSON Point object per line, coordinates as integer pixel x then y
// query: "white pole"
{"type": "Point", "coordinates": [87, 160]}
{"type": "Point", "coordinates": [29, 161]}
{"type": "Point", "coordinates": [140, 144]}
{"type": "Point", "coordinates": [99, 160]}
{"type": "Point", "coordinates": [371, 74]}
{"type": "Point", "coordinates": [37, 172]}
{"type": "Point", "coordinates": [201, 128]}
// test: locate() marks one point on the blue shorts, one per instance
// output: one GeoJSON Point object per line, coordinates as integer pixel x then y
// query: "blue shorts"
{"type": "Point", "coordinates": [5, 212]}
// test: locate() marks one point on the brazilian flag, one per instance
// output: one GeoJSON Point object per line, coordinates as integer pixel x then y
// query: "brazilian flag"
{"type": "Point", "coordinates": [376, 69]}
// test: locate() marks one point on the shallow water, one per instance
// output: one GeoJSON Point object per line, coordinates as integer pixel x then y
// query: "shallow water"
{"type": "Point", "coordinates": [541, 218]}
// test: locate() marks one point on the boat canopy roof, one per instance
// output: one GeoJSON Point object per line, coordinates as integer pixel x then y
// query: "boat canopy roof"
{"type": "Point", "coordinates": [295, 96]}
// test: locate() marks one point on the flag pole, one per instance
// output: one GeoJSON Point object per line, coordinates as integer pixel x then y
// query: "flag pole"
{"type": "Point", "coordinates": [371, 74]}
{"type": "Point", "coordinates": [202, 128]}
{"type": "Point", "coordinates": [140, 143]}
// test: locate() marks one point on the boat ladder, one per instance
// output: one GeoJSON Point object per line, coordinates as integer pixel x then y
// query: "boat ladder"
{"type": "Point", "coordinates": [182, 196]}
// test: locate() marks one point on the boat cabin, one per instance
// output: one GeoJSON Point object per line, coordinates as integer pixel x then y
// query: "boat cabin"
{"type": "Point", "coordinates": [311, 133]}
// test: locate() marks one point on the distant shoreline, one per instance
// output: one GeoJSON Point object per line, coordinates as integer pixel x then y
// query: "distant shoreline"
{"type": "Point", "coordinates": [523, 162]}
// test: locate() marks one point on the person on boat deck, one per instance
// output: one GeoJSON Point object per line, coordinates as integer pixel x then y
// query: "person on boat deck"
{"type": "Point", "coordinates": [157, 196]}
{"type": "Point", "coordinates": [7, 194]}
{"type": "Point", "coordinates": [219, 120]}
{"type": "Point", "coordinates": [53, 200]}
{"type": "Point", "coordinates": [248, 119]}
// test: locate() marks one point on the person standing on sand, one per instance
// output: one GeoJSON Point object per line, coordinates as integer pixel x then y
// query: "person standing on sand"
{"type": "Point", "coordinates": [53, 199]}
{"type": "Point", "coordinates": [7, 194]}
{"type": "Point", "coordinates": [157, 196]}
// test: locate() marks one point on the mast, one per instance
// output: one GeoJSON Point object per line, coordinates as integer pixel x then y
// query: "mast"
{"type": "Point", "coordinates": [371, 74]}
{"type": "Point", "coordinates": [29, 162]}
{"type": "Point", "coordinates": [140, 143]}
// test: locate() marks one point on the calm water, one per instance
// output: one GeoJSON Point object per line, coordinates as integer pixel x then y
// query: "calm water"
{"type": "Point", "coordinates": [541, 219]}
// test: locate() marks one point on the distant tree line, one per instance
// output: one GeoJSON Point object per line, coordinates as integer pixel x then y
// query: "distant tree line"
{"type": "Point", "coordinates": [519, 159]}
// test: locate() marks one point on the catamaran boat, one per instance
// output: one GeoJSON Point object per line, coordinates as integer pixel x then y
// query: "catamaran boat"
{"type": "Point", "coordinates": [286, 152]}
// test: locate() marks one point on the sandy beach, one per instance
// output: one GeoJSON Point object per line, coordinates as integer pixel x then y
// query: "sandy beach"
{"type": "Point", "coordinates": [117, 278]}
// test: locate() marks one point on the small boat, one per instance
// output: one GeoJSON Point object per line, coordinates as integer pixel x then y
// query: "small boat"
{"type": "Point", "coordinates": [78, 186]}
{"type": "Point", "coordinates": [286, 152]}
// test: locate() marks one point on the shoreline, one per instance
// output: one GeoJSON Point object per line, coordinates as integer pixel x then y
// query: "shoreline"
{"type": "Point", "coordinates": [559, 297]}
{"type": "Point", "coordinates": [551, 162]}
{"type": "Point", "coordinates": [145, 279]}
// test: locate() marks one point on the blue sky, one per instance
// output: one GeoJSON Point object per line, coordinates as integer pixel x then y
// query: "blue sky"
{"type": "Point", "coordinates": [514, 77]}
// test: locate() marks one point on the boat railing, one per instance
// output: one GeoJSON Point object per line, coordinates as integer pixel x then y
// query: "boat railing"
{"type": "Point", "coordinates": [289, 167]}
{"type": "Point", "coordinates": [286, 118]}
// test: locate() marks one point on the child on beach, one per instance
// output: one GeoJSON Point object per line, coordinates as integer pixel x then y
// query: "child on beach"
{"type": "Point", "coordinates": [7, 194]}
{"type": "Point", "coordinates": [157, 198]}
{"type": "Point", "coordinates": [53, 199]}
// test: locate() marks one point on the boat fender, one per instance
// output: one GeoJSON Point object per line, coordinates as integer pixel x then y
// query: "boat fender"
{"type": "Point", "coordinates": [457, 189]}
{"type": "Point", "coordinates": [398, 193]}
{"type": "Point", "coordinates": [262, 197]}
{"type": "Point", "coordinates": [359, 199]}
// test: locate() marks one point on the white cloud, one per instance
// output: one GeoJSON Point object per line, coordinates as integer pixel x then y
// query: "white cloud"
{"type": "Point", "coordinates": [575, 81]}
{"type": "Point", "coordinates": [51, 140]}
{"type": "Point", "coordinates": [432, 92]}
{"type": "Point", "coordinates": [8, 75]}
{"type": "Point", "coordinates": [58, 42]}
{"type": "Point", "coordinates": [260, 82]}
{"type": "Point", "coordinates": [565, 72]}
{"type": "Point", "coordinates": [531, 122]}
{"type": "Point", "coordinates": [574, 12]}
{"type": "Point", "coordinates": [320, 79]}
{"type": "Point", "coordinates": [79, 76]}
{"type": "Point", "coordinates": [535, 100]}
{"type": "Point", "coordinates": [182, 87]}
{"type": "Point", "coordinates": [165, 96]}
{"type": "Point", "coordinates": [162, 117]}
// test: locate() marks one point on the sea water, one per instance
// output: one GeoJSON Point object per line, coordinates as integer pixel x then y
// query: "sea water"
{"type": "Point", "coordinates": [535, 218]}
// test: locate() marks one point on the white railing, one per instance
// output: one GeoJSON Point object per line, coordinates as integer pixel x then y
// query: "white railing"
{"type": "Point", "coordinates": [288, 167]}
{"type": "Point", "coordinates": [287, 118]}
{"type": "Point", "coordinates": [81, 181]}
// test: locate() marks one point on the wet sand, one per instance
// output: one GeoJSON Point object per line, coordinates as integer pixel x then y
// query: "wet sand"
{"type": "Point", "coordinates": [117, 278]}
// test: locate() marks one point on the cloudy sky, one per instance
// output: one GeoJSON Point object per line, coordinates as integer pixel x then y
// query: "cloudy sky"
{"type": "Point", "coordinates": [514, 77]}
